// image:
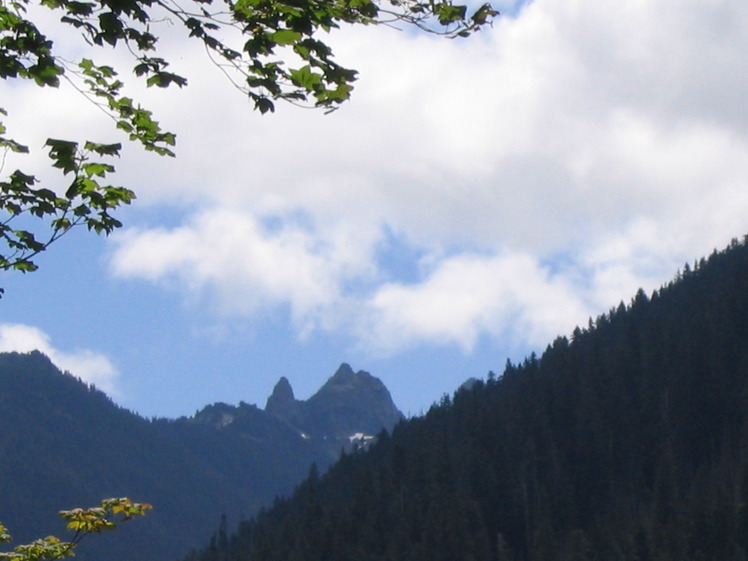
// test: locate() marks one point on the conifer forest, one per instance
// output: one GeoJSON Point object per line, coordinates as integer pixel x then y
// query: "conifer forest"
{"type": "Point", "coordinates": [627, 441]}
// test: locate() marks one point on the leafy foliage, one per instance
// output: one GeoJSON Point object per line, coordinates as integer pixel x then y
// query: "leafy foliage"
{"type": "Point", "coordinates": [83, 522]}
{"type": "Point", "coordinates": [86, 201]}
{"type": "Point", "coordinates": [269, 49]}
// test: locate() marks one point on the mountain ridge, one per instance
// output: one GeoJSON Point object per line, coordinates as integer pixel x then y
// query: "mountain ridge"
{"type": "Point", "coordinates": [347, 400]}
{"type": "Point", "coordinates": [67, 444]}
{"type": "Point", "coordinates": [348, 404]}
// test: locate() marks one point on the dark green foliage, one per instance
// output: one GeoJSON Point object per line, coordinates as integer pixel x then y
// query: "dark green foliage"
{"type": "Point", "coordinates": [85, 201]}
{"type": "Point", "coordinates": [628, 442]}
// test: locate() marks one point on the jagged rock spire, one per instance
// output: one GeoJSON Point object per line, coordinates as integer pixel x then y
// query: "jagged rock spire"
{"type": "Point", "coordinates": [282, 402]}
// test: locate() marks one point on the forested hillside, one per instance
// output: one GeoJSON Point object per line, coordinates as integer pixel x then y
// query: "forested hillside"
{"type": "Point", "coordinates": [64, 444]}
{"type": "Point", "coordinates": [626, 442]}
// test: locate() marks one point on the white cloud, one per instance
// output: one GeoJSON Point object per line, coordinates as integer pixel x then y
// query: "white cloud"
{"type": "Point", "coordinates": [547, 167]}
{"type": "Point", "coordinates": [245, 265]}
{"type": "Point", "coordinates": [469, 295]}
{"type": "Point", "coordinates": [90, 366]}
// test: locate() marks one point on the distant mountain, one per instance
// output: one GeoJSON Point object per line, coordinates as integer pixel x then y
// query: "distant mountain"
{"type": "Point", "coordinates": [626, 442]}
{"type": "Point", "coordinates": [348, 406]}
{"type": "Point", "coordinates": [65, 444]}
{"type": "Point", "coordinates": [283, 404]}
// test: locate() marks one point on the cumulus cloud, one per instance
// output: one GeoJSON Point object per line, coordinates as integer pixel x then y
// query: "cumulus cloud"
{"type": "Point", "coordinates": [244, 265]}
{"type": "Point", "coordinates": [467, 296]}
{"type": "Point", "coordinates": [90, 366]}
{"type": "Point", "coordinates": [538, 173]}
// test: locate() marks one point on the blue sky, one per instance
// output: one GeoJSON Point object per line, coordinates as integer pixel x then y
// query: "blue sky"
{"type": "Point", "coordinates": [474, 200]}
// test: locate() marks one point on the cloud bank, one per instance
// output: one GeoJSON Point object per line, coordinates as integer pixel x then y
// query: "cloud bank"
{"type": "Point", "coordinates": [505, 186]}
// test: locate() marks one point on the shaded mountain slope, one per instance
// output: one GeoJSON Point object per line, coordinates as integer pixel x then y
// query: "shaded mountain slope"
{"type": "Point", "coordinates": [627, 442]}
{"type": "Point", "coordinates": [65, 444]}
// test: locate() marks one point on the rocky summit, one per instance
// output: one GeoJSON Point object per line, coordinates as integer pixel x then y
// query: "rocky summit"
{"type": "Point", "coordinates": [349, 406]}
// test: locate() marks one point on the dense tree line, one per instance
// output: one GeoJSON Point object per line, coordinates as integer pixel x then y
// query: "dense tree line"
{"type": "Point", "coordinates": [627, 441]}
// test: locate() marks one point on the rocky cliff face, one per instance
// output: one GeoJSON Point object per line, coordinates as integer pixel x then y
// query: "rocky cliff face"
{"type": "Point", "coordinates": [350, 403]}
{"type": "Point", "coordinates": [283, 404]}
{"type": "Point", "coordinates": [349, 406]}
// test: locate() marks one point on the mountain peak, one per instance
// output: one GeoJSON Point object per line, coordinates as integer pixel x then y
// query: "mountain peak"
{"type": "Point", "coordinates": [344, 372]}
{"type": "Point", "coordinates": [351, 402]}
{"type": "Point", "coordinates": [345, 377]}
{"type": "Point", "coordinates": [282, 391]}
{"type": "Point", "coordinates": [282, 402]}
{"type": "Point", "coordinates": [348, 403]}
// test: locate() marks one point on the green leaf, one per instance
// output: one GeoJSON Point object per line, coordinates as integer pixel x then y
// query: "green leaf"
{"type": "Point", "coordinates": [263, 104]}
{"type": "Point", "coordinates": [305, 78]}
{"type": "Point", "coordinates": [14, 146]}
{"type": "Point", "coordinates": [165, 79]}
{"type": "Point", "coordinates": [4, 535]}
{"type": "Point", "coordinates": [104, 149]}
{"type": "Point", "coordinates": [25, 266]}
{"type": "Point", "coordinates": [285, 37]}
{"type": "Point", "coordinates": [63, 154]}
{"type": "Point", "coordinates": [46, 74]}
{"type": "Point", "coordinates": [97, 169]}
{"type": "Point", "coordinates": [448, 13]}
